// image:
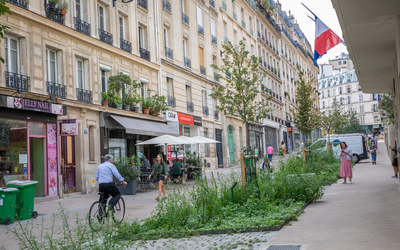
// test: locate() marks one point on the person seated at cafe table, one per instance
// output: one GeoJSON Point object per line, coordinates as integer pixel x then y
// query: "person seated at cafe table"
{"type": "Point", "coordinates": [177, 169]}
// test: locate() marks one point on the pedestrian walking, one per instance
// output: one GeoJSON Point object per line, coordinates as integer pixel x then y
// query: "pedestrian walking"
{"type": "Point", "coordinates": [345, 164]}
{"type": "Point", "coordinates": [395, 164]}
{"type": "Point", "coordinates": [301, 145]}
{"type": "Point", "coordinates": [283, 147]}
{"type": "Point", "coordinates": [372, 150]}
{"type": "Point", "coordinates": [375, 139]}
{"type": "Point", "coordinates": [270, 150]}
{"type": "Point", "coordinates": [160, 172]}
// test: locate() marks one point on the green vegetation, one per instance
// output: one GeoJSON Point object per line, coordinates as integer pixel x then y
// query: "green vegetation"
{"type": "Point", "coordinates": [209, 204]}
{"type": "Point", "coordinates": [3, 10]}
{"type": "Point", "coordinates": [386, 107]}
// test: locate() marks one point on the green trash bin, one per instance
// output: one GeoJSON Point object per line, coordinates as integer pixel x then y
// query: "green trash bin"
{"type": "Point", "coordinates": [25, 199]}
{"type": "Point", "coordinates": [8, 199]}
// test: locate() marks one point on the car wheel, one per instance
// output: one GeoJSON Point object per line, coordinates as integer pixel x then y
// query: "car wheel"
{"type": "Point", "coordinates": [355, 158]}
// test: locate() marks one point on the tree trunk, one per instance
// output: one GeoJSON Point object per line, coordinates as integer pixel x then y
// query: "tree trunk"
{"type": "Point", "coordinates": [247, 136]}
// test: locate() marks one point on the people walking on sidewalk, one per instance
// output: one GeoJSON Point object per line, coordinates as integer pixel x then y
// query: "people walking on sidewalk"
{"type": "Point", "coordinates": [345, 164]}
{"type": "Point", "coordinates": [283, 147]}
{"type": "Point", "coordinates": [160, 172]}
{"type": "Point", "coordinates": [372, 150]}
{"type": "Point", "coordinates": [395, 164]}
{"type": "Point", "coordinates": [375, 139]}
{"type": "Point", "coordinates": [270, 150]}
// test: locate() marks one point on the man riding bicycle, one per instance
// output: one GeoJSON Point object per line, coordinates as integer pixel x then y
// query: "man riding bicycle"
{"type": "Point", "coordinates": [104, 176]}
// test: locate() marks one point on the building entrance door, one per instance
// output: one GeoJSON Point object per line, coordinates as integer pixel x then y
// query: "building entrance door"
{"type": "Point", "coordinates": [37, 164]}
{"type": "Point", "coordinates": [68, 163]}
{"type": "Point", "coordinates": [231, 145]}
{"type": "Point", "coordinates": [218, 136]}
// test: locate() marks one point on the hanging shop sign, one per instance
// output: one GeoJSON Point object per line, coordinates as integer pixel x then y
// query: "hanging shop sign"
{"type": "Point", "coordinates": [185, 119]}
{"type": "Point", "coordinates": [171, 116]}
{"type": "Point", "coordinates": [69, 127]}
{"type": "Point", "coordinates": [32, 105]}
{"type": "Point", "coordinates": [289, 129]}
{"type": "Point", "coordinates": [197, 121]}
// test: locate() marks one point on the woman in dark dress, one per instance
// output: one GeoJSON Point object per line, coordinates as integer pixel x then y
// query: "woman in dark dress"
{"type": "Point", "coordinates": [160, 173]}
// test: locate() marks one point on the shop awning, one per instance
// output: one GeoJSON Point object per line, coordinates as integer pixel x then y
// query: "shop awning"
{"type": "Point", "coordinates": [142, 127]}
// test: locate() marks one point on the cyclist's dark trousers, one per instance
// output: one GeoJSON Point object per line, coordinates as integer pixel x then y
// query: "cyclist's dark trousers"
{"type": "Point", "coordinates": [110, 189]}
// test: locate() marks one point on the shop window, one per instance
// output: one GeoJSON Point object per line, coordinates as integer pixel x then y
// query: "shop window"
{"type": "Point", "coordinates": [36, 128]}
{"type": "Point", "coordinates": [13, 150]}
{"type": "Point", "coordinates": [91, 143]}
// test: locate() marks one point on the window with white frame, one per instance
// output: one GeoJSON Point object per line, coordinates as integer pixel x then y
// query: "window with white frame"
{"type": "Point", "coordinates": [213, 32]}
{"type": "Point", "coordinates": [252, 50]}
{"type": "Point", "coordinates": [348, 99]}
{"type": "Point", "coordinates": [360, 97]}
{"type": "Point", "coordinates": [51, 63]}
{"type": "Point", "coordinates": [165, 37]}
{"type": "Point", "coordinates": [78, 9]}
{"type": "Point", "coordinates": [235, 39]}
{"type": "Point", "coordinates": [323, 104]}
{"type": "Point", "coordinates": [204, 97]}
{"type": "Point", "coordinates": [12, 52]}
{"type": "Point", "coordinates": [102, 17]}
{"type": "Point", "coordinates": [142, 37]}
{"type": "Point", "coordinates": [362, 109]}
{"type": "Point", "coordinates": [188, 93]}
{"type": "Point", "coordinates": [199, 17]}
{"type": "Point", "coordinates": [121, 23]}
{"type": "Point", "coordinates": [184, 48]}
{"type": "Point", "coordinates": [376, 119]}
{"type": "Point", "coordinates": [80, 74]}
{"type": "Point", "coordinates": [362, 120]}
{"type": "Point", "coordinates": [170, 87]}
{"type": "Point", "coordinates": [104, 80]}
{"type": "Point", "coordinates": [144, 89]}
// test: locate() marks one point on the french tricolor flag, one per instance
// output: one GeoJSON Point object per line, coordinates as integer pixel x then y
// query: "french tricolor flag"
{"type": "Point", "coordinates": [325, 39]}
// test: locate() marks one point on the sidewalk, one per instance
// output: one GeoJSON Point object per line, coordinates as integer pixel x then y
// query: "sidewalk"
{"type": "Point", "coordinates": [362, 215]}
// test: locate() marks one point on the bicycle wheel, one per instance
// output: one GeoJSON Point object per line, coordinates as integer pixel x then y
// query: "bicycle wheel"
{"type": "Point", "coordinates": [119, 211]}
{"type": "Point", "coordinates": [96, 216]}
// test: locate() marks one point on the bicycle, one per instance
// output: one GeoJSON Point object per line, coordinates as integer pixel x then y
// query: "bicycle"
{"type": "Point", "coordinates": [99, 211]}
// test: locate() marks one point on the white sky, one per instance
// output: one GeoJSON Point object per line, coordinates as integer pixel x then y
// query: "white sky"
{"type": "Point", "coordinates": [325, 11]}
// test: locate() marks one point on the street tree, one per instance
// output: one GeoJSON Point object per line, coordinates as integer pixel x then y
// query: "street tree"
{"type": "Point", "coordinates": [386, 108]}
{"type": "Point", "coordinates": [305, 116]}
{"type": "Point", "coordinates": [3, 10]}
{"type": "Point", "coordinates": [353, 123]}
{"type": "Point", "coordinates": [242, 77]}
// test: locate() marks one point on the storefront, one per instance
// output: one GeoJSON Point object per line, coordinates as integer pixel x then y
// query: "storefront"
{"type": "Point", "coordinates": [256, 137]}
{"type": "Point", "coordinates": [120, 134]}
{"type": "Point", "coordinates": [185, 125]}
{"type": "Point", "coordinates": [270, 134]}
{"type": "Point", "coordinates": [28, 142]}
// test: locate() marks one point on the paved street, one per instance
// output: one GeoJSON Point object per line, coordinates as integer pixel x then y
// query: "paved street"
{"type": "Point", "coordinates": [362, 215]}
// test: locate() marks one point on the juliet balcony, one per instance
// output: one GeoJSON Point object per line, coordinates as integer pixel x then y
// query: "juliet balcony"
{"type": "Point", "coordinates": [18, 82]}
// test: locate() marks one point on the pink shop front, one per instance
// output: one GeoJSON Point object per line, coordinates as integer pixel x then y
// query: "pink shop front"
{"type": "Point", "coordinates": [28, 143]}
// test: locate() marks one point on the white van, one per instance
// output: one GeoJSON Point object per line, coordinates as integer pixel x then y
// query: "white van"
{"type": "Point", "coordinates": [356, 142]}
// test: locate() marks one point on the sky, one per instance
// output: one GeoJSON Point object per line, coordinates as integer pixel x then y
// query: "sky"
{"type": "Point", "coordinates": [325, 11]}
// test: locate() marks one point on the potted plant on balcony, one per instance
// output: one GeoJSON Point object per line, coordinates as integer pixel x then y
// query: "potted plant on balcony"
{"type": "Point", "coordinates": [147, 103]}
{"type": "Point", "coordinates": [107, 97]}
{"type": "Point", "coordinates": [129, 168]}
{"type": "Point", "coordinates": [118, 101]}
{"type": "Point", "coordinates": [53, 3]}
{"type": "Point", "coordinates": [63, 7]}
{"type": "Point", "coordinates": [136, 98]}
{"type": "Point", "coordinates": [127, 101]}
{"type": "Point", "coordinates": [160, 105]}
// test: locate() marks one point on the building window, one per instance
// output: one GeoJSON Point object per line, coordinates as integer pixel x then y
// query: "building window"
{"type": "Point", "coordinates": [374, 107]}
{"type": "Point", "coordinates": [188, 93]}
{"type": "Point", "coordinates": [199, 17]}
{"type": "Point", "coordinates": [334, 92]}
{"type": "Point", "coordinates": [252, 50]}
{"type": "Point", "coordinates": [344, 62]}
{"type": "Point", "coordinates": [166, 37]}
{"type": "Point", "coordinates": [329, 93]}
{"type": "Point", "coordinates": [170, 87]}
{"type": "Point", "coordinates": [184, 48]}
{"type": "Point", "coordinates": [79, 74]}
{"type": "Point", "coordinates": [206, 145]}
{"type": "Point", "coordinates": [362, 120]}
{"type": "Point", "coordinates": [360, 97]}
{"type": "Point", "coordinates": [362, 109]}
{"type": "Point", "coordinates": [340, 63]}
{"type": "Point", "coordinates": [102, 18]}
{"type": "Point", "coordinates": [51, 61]}
{"type": "Point", "coordinates": [12, 55]}
{"type": "Point", "coordinates": [359, 87]}
{"type": "Point", "coordinates": [143, 91]}
{"type": "Point", "coordinates": [78, 9]}
{"type": "Point", "coordinates": [323, 96]}
{"type": "Point", "coordinates": [235, 39]}
{"type": "Point", "coordinates": [348, 99]}
{"type": "Point", "coordinates": [204, 97]}
{"type": "Point", "coordinates": [376, 119]}
{"type": "Point", "coordinates": [323, 104]}
{"type": "Point", "coordinates": [340, 90]}
{"type": "Point", "coordinates": [91, 143]}
{"type": "Point", "coordinates": [213, 32]}
{"type": "Point", "coordinates": [142, 41]}
{"type": "Point", "coordinates": [348, 89]}
{"type": "Point", "coordinates": [121, 27]}
{"type": "Point", "coordinates": [104, 80]}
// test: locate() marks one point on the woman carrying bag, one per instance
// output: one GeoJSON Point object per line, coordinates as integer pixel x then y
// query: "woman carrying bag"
{"type": "Point", "coordinates": [160, 172]}
{"type": "Point", "coordinates": [345, 164]}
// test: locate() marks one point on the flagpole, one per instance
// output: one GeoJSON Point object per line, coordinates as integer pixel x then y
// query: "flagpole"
{"type": "Point", "coordinates": [309, 9]}
{"type": "Point", "coordinates": [311, 18]}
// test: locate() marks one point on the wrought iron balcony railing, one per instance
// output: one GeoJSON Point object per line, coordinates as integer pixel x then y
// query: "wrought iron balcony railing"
{"type": "Point", "coordinates": [216, 115]}
{"type": "Point", "coordinates": [125, 45]}
{"type": "Point", "coordinates": [200, 29]}
{"type": "Point", "coordinates": [145, 54]}
{"type": "Point", "coordinates": [258, 34]}
{"type": "Point", "coordinates": [203, 70]}
{"type": "Point", "coordinates": [20, 3]}
{"type": "Point", "coordinates": [82, 26]}
{"type": "Point", "coordinates": [185, 18]}
{"type": "Point", "coordinates": [18, 82]}
{"type": "Point", "coordinates": [190, 106]}
{"type": "Point", "coordinates": [205, 110]}
{"type": "Point", "coordinates": [171, 101]}
{"type": "Point", "coordinates": [84, 95]}
{"type": "Point", "coordinates": [212, 3]}
{"type": "Point", "coordinates": [53, 13]}
{"type": "Point", "coordinates": [169, 53]}
{"type": "Point", "coordinates": [56, 89]}
{"type": "Point", "coordinates": [167, 6]}
{"type": "Point", "coordinates": [106, 37]}
{"type": "Point", "coordinates": [188, 62]}
{"type": "Point", "coordinates": [214, 39]}
{"type": "Point", "coordinates": [142, 3]}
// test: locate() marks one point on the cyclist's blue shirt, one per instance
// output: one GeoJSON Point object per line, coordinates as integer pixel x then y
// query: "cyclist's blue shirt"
{"type": "Point", "coordinates": [105, 173]}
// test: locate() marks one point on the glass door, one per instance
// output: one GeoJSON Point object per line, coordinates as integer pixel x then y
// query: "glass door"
{"type": "Point", "coordinates": [37, 164]}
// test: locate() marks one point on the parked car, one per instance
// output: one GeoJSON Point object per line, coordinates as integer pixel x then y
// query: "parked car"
{"type": "Point", "coordinates": [356, 142]}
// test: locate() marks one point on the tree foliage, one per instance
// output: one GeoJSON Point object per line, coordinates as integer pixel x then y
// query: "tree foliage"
{"type": "Point", "coordinates": [386, 106]}
{"type": "Point", "coordinates": [353, 123]}
{"type": "Point", "coordinates": [3, 10]}
{"type": "Point", "coordinates": [243, 77]}
{"type": "Point", "coordinates": [304, 115]}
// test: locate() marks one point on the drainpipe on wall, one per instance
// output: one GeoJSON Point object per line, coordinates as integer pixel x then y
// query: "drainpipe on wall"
{"type": "Point", "coordinates": [158, 45]}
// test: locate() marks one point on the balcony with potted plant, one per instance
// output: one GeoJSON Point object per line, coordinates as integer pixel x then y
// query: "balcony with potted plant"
{"type": "Point", "coordinates": [54, 10]}
{"type": "Point", "coordinates": [147, 103]}
{"type": "Point", "coordinates": [160, 105]}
